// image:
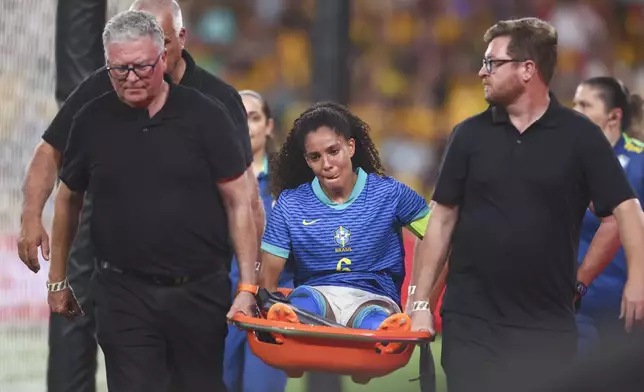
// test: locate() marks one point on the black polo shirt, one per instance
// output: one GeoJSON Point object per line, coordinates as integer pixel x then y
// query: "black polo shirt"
{"type": "Point", "coordinates": [196, 77]}
{"type": "Point", "coordinates": [156, 204]}
{"type": "Point", "coordinates": [521, 200]}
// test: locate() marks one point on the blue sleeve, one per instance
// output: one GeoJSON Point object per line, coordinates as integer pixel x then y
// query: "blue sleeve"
{"type": "Point", "coordinates": [410, 206]}
{"type": "Point", "coordinates": [277, 236]}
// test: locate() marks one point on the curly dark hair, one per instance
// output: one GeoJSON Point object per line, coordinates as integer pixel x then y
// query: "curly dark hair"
{"type": "Point", "coordinates": [289, 168]}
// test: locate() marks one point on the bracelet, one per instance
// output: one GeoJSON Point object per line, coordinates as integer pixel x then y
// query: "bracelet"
{"type": "Point", "coordinates": [411, 290]}
{"type": "Point", "coordinates": [58, 286]}
{"type": "Point", "coordinates": [250, 288]}
{"type": "Point", "coordinates": [419, 305]}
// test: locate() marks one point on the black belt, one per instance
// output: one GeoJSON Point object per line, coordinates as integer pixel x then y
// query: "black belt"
{"type": "Point", "coordinates": [159, 280]}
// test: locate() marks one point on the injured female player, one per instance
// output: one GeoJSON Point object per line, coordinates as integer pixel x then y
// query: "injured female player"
{"type": "Point", "coordinates": [340, 219]}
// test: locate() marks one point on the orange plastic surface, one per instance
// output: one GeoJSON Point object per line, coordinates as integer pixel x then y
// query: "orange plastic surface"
{"type": "Point", "coordinates": [345, 351]}
{"type": "Point", "coordinates": [284, 291]}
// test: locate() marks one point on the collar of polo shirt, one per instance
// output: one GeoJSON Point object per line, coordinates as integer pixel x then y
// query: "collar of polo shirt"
{"type": "Point", "coordinates": [549, 118]}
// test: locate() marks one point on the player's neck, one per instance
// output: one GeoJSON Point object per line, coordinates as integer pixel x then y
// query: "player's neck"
{"type": "Point", "coordinates": [613, 136]}
{"type": "Point", "coordinates": [341, 194]}
{"type": "Point", "coordinates": [259, 161]}
{"type": "Point", "coordinates": [528, 108]}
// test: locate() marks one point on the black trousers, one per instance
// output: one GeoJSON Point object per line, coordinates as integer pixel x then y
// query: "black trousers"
{"type": "Point", "coordinates": [478, 356]}
{"type": "Point", "coordinates": [72, 361]}
{"type": "Point", "coordinates": [162, 338]}
{"type": "Point", "coordinates": [615, 365]}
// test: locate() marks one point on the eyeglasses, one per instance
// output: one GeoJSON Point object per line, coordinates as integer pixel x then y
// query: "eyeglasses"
{"type": "Point", "coordinates": [490, 64]}
{"type": "Point", "coordinates": [121, 72]}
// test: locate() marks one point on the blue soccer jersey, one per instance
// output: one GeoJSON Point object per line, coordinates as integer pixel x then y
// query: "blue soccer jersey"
{"type": "Point", "coordinates": [605, 292]}
{"type": "Point", "coordinates": [355, 244]}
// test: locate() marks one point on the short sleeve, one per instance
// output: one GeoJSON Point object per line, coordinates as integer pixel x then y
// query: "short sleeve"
{"type": "Point", "coordinates": [58, 131]}
{"type": "Point", "coordinates": [232, 102]}
{"type": "Point", "coordinates": [603, 173]}
{"type": "Point", "coordinates": [75, 169]}
{"type": "Point", "coordinates": [224, 152]}
{"type": "Point", "coordinates": [277, 236]}
{"type": "Point", "coordinates": [450, 184]}
{"type": "Point", "coordinates": [410, 206]}
{"type": "Point", "coordinates": [235, 107]}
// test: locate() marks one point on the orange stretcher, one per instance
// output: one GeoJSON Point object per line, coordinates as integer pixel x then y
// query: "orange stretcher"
{"type": "Point", "coordinates": [361, 354]}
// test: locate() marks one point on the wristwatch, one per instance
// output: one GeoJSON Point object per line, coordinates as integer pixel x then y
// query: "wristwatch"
{"type": "Point", "coordinates": [580, 288]}
{"type": "Point", "coordinates": [248, 288]}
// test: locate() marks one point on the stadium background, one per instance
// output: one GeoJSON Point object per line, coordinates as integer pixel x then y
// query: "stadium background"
{"type": "Point", "coordinates": [413, 76]}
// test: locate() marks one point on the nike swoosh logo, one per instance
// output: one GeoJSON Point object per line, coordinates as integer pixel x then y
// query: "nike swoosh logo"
{"type": "Point", "coordinates": [308, 223]}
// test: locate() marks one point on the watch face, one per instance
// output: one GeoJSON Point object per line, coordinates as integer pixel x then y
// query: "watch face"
{"type": "Point", "coordinates": [581, 288]}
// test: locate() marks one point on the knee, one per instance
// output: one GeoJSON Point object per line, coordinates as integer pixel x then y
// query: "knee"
{"type": "Point", "coordinates": [309, 299]}
{"type": "Point", "coordinates": [370, 317]}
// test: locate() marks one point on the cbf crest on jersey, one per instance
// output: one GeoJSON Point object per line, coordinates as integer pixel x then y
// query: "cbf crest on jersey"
{"type": "Point", "coordinates": [342, 238]}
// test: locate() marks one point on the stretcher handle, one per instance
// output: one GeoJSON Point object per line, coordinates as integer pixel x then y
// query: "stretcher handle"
{"type": "Point", "coordinates": [351, 334]}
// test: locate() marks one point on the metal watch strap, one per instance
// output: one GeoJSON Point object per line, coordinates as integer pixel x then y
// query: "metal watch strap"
{"type": "Point", "coordinates": [419, 305]}
{"type": "Point", "coordinates": [248, 288]}
{"type": "Point", "coordinates": [57, 286]}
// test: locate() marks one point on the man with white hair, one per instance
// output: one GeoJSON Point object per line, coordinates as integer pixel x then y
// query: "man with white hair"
{"type": "Point", "coordinates": [167, 174]}
{"type": "Point", "coordinates": [72, 356]}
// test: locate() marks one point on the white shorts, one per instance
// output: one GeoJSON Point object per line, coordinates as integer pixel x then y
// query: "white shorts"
{"type": "Point", "coordinates": [344, 301]}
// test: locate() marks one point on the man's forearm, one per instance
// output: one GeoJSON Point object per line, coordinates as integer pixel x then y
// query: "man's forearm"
{"type": "Point", "coordinates": [439, 285]}
{"type": "Point", "coordinates": [66, 214]}
{"type": "Point", "coordinates": [40, 180]}
{"type": "Point", "coordinates": [431, 256]}
{"type": "Point", "coordinates": [601, 251]}
{"type": "Point", "coordinates": [630, 220]}
{"type": "Point", "coordinates": [243, 234]}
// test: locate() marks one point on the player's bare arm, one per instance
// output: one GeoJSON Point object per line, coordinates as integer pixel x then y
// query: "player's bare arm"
{"type": "Point", "coordinates": [66, 213]}
{"type": "Point", "coordinates": [38, 185]}
{"type": "Point", "coordinates": [259, 215]}
{"type": "Point", "coordinates": [270, 270]}
{"type": "Point", "coordinates": [432, 253]}
{"type": "Point", "coordinates": [630, 219]}
{"type": "Point", "coordinates": [601, 251]}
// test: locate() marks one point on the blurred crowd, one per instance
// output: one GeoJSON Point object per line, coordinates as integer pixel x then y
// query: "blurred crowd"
{"type": "Point", "coordinates": [414, 63]}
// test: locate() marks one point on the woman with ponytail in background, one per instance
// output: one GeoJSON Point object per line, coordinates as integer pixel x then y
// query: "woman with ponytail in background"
{"type": "Point", "coordinates": [243, 371]}
{"type": "Point", "coordinates": [606, 102]}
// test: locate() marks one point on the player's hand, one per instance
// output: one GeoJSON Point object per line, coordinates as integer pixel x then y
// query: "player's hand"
{"type": "Point", "coordinates": [633, 303]}
{"type": "Point", "coordinates": [64, 302]}
{"type": "Point", "coordinates": [422, 320]}
{"type": "Point", "coordinates": [244, 303]}
{"type": "Point", "coordinates": [32, 236]}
